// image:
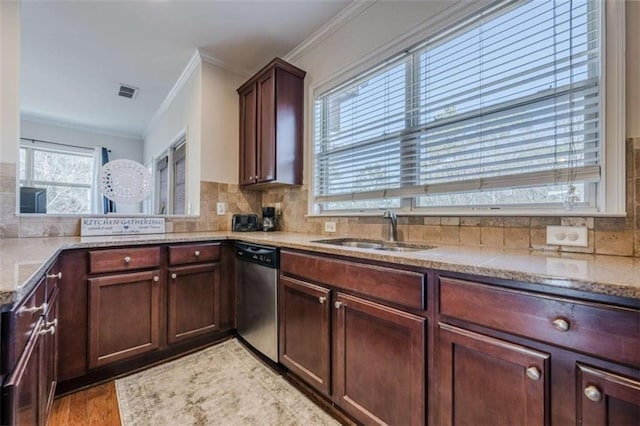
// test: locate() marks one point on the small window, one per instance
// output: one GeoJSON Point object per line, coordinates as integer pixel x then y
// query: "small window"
{"type": "Point", "coordinates": [171, 174]}
{"type": "Point", "coordinates": [502, 110]}
{"type": "Point", "coordinates": [67, 176]}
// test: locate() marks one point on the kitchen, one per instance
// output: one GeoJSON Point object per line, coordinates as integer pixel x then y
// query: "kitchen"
{"type": "Point", "coordinates": [610, 239]}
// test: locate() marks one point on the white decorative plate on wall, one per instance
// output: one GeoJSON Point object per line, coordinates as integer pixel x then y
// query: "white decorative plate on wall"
{"type": "Point", "coordinates": [125, 181]}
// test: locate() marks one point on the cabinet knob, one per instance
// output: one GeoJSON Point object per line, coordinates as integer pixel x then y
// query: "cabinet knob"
{"type": "Point", "coordinates": [338, 305]}
{"type": "Point", "coordinates": [257, 177]}
{"type": "Point", "coordinates": [58, 275]}
{"type": "Point", "coordinates": [533, 373]}
{"type": "Point", "coordinates": [127, 259]}
{"type": "Point", "coordinates": [174, 276]}
{"type": "Point", "coordinates": [593, 393]}
{"type": "Point", "coordinates": [49, 330]}
{"type": "Point", "coordinates": [561, 324]}
{"type": "Point", "coordinates": [156, 279]}
{"type": "Point", "coordinates": [32, 310]}
{"type": "Point", "coordinates": [196, 253]}
{"type": "Point", "coordinates": [322, 299]}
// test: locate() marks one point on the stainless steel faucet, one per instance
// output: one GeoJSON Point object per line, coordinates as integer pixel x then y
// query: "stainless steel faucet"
{"type": "Point", "coordinates": [393, 224]}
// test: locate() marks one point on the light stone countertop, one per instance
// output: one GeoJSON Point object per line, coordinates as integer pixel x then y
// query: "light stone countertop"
{"type": "Point", "coordinates": [23, 260]}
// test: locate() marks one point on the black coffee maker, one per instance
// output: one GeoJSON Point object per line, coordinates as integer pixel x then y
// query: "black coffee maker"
{"type": "Point", "coordinates": [268, 218]}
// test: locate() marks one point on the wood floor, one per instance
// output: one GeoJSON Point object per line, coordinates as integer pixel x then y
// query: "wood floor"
{"type": "Point", "coordinates": [96, 406]}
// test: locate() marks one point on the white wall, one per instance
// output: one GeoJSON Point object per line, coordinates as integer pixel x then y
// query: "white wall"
{"type": "Point", "coordinates": [121, 147]}
{"type": "Point", "coordinates": [220, 125]}
{"type": "Point", "coordinates": [9, 80]}
{"type": "Point", "coordinates": [632, 12]}
{"type": "Point", "coordinates": [184, 112]}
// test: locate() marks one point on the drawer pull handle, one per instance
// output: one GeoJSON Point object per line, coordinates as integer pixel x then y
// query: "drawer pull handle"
{"type": "Point", "coordinates": [58, 275]}
{"type": "Point", "coordinates": [533, 373]}
{"type": "Point", "coordinates": [48, 330]}
{"type": "Point", "coordinates": [156, 279]}
{"type": "Point", "coordinates": [127, 259]}
{"type": "Point", "coordinates": [174, 276]}
{"type": "Point", "coordinates": [197, 253]}
{"type": "Point", "coordinates": [561, 324]}
{"type": "Point", "coordinates": [338, 305]}
{"type": "Point", "coordinates": [322, 299]}
{"type": "Point", "coordinates": [53, 323]}
{"type": "Point", "coordinates": [32, 310]}
{"type": "Point", "coordinates": [593, 393]}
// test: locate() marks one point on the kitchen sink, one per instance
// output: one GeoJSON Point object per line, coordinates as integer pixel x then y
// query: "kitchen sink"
{"type": "Point", "coordinates": [375, 244]}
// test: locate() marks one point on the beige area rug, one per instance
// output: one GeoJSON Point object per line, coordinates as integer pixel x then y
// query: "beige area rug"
{"type": "Point", "coordinates": [220, 385]}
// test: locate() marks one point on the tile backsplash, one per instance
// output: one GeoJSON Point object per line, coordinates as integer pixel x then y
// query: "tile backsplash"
{"type": "Point", "coordinates": [614, 236]}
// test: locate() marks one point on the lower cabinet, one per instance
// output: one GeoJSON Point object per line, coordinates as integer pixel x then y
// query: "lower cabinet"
{"type": "Point", "coordinates": [49, 374]}
{"type": "Point", "coordinates": [606, 398]}
{"type": "Point", "coordinates": [305, 331]}
{"type": "Point", "coordinates": [124, 316]}
{"type": "Point", "coordinates": [194, 301]}
{"type": "Point", "coordinates": [21, 397]}
{"type": "Point", "coordinates": [27, 394]}
{"type": "Point", "coordinates": [371, 362]}
{"type": "Point", "coordinates": [378, 362]}
{"type": "Point", "coordinates": [483, 380]}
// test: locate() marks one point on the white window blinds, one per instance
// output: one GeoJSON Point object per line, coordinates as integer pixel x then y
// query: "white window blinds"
{"type": "Point", "coordinates": [509, 98]}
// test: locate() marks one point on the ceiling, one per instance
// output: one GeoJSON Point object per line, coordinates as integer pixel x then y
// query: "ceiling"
{"type": "Point", "coordinates": [75, 54]}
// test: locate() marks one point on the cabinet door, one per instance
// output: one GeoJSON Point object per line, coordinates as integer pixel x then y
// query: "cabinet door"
{"type": "Point", "coordinates": [124, 316]}
{"type": "Point", "coordinates": [487, 381]}
{"type": "Point", "coordinates": [379, 362]}
{"type": "Point", "coordinates": [194, 301]}
{"type": "Point", "coordinates": [248, 136]}
{"type": "Point", "coordinates": [305, 331]}
{"type": "Point", "coordinates": [266, 128]}
{"type": "Point", "coordinates": [21, 397]}
{"type": "Point", "coordinates": [49, 374]}
{"type": "Point", "coordinates": [606, 398]}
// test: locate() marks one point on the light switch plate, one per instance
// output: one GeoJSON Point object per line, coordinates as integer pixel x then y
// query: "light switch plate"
{"type": "Point", "coordinates": [568, 236]}
{"type": "Point", "coordinates": [221, 209]}
{"type": "Point", "coordinates": [329, 227]}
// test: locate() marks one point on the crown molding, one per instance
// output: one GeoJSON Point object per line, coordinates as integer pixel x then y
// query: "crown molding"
{"type": "Point", "coordinates": [341, 19]}
{"type": "Point", "coordinates": [177, 87]}
{"type": "Point", "coordinates": [242, 72]}
{"type": "Point", "coordinates": [50, 121]}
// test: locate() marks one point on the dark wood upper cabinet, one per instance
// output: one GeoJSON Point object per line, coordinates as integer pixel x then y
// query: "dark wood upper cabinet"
{"type": "Point", "coordinates": [271, 125]}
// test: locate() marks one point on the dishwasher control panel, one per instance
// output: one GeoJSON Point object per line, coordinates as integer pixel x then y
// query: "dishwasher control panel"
{"type": "Point", "coordinates": [262, 255]}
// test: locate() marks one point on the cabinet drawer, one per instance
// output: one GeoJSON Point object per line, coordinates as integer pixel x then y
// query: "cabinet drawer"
{"type": "Point", "coordinates": [123, 259]}
{"type": "Point", "coordinates": [192, 253]}
{"type": "Point", "coordinates": [601, 330]}
{"type": "Point", "coordinates": [387, 284]}
{"type": "Point", "coordinates": [21, 323]}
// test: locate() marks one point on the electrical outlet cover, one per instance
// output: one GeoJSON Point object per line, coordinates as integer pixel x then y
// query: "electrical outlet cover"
{"type": "Point", "coordinates": [329, 227]}
{"type": "Point", "coordinates": [220, 209]}
{"type": "Point", "coordinates": [568, 236]}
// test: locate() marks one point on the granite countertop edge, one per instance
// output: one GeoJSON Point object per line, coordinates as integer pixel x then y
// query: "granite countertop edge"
{"type": "Point", "coordinates": [510, 264]}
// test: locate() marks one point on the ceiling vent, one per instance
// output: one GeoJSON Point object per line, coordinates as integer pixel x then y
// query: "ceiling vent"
{"type": "Point", "coordinates": [127, 91]}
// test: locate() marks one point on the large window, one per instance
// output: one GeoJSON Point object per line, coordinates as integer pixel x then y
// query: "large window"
{"type": "Point", "coordinates": [66, 174]}
{"type": "Point", "coordinates": [503, 110]}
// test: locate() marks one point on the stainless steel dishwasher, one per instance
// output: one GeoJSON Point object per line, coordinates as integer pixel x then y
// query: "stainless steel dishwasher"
{"type": "Point", "coordinates": [257, 296]}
